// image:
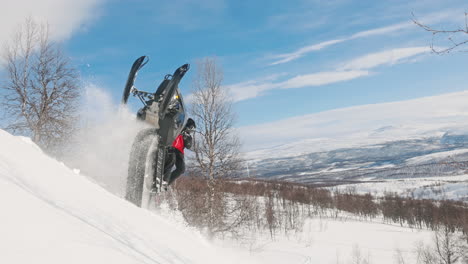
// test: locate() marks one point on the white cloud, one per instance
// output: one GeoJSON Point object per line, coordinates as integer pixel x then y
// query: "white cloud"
{"type": "Point", "coordinates": [353, 69]}
{"type": "Point", "coordinates": [382, 30]}
{"type": "Point", "coordinates": [251, 89]}
{"type": "Point", "coordinates": [387, 57]}
{"type": "Point", "coordinates": [431, 18]}
{"type": "Point", "coordinates": [287, 57]}
{"type": "Point", "coordinates": [321, 78]}
{"type": "Point", "coordinates": [64, 16]}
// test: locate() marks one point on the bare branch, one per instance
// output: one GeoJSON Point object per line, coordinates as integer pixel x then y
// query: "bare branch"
{"type": "Point", "coordinates": [448, 34]}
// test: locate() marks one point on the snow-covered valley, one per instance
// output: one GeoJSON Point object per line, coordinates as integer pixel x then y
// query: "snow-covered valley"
{"type": "Point", "coordinates": [380, 145]}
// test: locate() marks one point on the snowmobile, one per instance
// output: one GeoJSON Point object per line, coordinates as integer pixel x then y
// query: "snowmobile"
{"type": "Point", "coordinates": [164, 111]}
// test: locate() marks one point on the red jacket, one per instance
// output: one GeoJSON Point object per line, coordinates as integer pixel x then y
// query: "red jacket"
{"type": "Point", "coordinates": [179, 143]}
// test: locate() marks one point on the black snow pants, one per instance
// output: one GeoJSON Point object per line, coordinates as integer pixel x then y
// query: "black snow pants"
{"type": "Point", "coordinates": [178, 158]}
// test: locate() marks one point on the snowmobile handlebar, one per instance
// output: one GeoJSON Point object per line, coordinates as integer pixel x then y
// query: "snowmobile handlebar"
{"type": "Point", "coordinates": [142, 95]}
{"type": "Point", "coordinates": [168, 82]}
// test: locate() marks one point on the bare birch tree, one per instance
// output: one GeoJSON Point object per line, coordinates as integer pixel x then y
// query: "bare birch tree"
{"type": "Point", "coordinates": [41, 88]}
{"type": "Point", "coordinates": [447, 246]}
{"type": "Point", "coordinates": [216, 145]}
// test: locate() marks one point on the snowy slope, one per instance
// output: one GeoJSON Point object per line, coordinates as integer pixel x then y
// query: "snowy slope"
{"type": "Point", "coordinates": [52, 215]}
{"type": "Point", "coordinates": [340, 241]}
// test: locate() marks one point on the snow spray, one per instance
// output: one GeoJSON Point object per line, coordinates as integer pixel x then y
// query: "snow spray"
{"type": "Point", "coordinates": [101, 147]}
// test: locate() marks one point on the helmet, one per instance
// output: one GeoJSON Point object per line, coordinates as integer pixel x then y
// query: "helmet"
{"type": "Point", "coordinates": [190, 125]}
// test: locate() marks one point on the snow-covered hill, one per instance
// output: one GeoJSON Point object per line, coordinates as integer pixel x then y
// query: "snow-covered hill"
{"type": "Point", "coordinates": [49, 214]}
{"type": "Point", "coordinates": [358, 126]}
{"type": "Point", "coordinates": [52, 214]}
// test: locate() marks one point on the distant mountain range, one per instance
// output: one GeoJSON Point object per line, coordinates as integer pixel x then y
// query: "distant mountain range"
{"type": "Point", "coordinates": [435, 156]}
{"type": "Point", "coordinates": [417, 138]}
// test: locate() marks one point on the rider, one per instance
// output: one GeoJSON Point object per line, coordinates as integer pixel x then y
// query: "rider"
{"type": "Point", "coordinates": [182, 141]}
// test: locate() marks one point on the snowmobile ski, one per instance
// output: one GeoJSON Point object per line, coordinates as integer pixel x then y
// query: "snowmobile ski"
{"type": "Point", "coordinates": [137, 65]}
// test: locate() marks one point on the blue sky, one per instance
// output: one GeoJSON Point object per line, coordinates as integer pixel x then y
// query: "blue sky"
{"type": "Point", "coordinates": [281, 59]}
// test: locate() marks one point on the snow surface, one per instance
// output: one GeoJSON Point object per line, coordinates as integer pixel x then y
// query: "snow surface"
{"type": "Point", "coordinates": [339, 241]}
{"type": "Point", "coordinates": [435, 157]}
{"type": "Point", "coordinates": [450, 187]}
{"type": "Point", "coordinates": [53, 214]}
